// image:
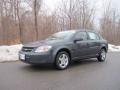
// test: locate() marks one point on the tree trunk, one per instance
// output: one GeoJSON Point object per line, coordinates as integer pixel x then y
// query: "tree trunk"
{"type": "Point", "coordinates": [19, 21]}
{"type": "Point", "coordinates": [35, 19]}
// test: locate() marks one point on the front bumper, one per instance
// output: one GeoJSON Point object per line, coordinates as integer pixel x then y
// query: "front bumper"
{"type": "Point", "coordinates": [36, 58]}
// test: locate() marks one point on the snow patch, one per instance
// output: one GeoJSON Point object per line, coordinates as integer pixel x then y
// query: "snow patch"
{"type": "Point", "coordinates": [113, 48]}
{"type": "Point", "coordinates": [9, 53]}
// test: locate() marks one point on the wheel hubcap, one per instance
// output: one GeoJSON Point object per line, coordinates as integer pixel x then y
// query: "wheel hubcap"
{"type": "Point", "coordinates": [103, 55]}
{"type": "Point", "coordinates": [63, 61]}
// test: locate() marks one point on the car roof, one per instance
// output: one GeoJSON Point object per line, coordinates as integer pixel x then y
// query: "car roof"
{"type": "Point", "coordinates": [84, 30]}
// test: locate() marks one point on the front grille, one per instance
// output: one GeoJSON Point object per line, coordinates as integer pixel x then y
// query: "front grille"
{"type": "Point", "coordinates": [27, 49]}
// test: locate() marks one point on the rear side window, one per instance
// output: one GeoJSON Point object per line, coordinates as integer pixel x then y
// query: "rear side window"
{"type": "Point", "coordinates": [81, 35]}
{"type": "Point", "coordinates": [93, 36]}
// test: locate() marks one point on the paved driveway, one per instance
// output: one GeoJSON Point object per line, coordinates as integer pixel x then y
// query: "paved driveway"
{"type": "Point", "coordinates": [85, 75]}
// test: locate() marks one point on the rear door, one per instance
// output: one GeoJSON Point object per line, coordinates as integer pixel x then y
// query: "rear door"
{"type": "Point", "coordinates": [93, 43]}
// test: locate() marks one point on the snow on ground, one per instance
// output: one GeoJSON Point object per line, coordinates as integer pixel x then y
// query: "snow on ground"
{"type": "Point", "coordinates": [10, 53]}
{"type": "Point", "coordinates": [113, 48]}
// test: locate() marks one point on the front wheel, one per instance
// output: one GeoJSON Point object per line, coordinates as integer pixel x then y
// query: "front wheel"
{"type": "Point", "coordinates": [102, 55]}
{"type": "Point", "coordinates": [62, 60]}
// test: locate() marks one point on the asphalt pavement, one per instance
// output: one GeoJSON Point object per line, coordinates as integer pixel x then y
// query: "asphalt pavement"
{"type": "Point", "coordinates": [84, 75]}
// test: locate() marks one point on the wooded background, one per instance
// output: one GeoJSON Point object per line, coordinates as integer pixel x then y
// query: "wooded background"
{"type": "Point", "coordinates": [23, 21]}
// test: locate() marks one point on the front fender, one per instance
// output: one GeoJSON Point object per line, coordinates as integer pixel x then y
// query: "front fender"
{"type": "Point", "coordinates": [57, 49]}
{"type": "Point", "coordinates": [105, 45]}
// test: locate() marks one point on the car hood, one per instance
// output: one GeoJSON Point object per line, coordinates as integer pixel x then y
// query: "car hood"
{"type": "Point", "coordinates": [43, 42]}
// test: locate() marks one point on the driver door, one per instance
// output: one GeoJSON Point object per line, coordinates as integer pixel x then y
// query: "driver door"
{"type": "Point", "coordinates": [81, 47]}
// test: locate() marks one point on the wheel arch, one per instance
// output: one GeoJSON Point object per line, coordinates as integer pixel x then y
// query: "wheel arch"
{"type": "Point", "coordinates": [60, 50]}
{"type": "Point", "coordinates": [104, 48]}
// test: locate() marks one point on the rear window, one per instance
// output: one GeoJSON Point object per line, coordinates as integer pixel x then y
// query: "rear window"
{"type": "Point", "coordinates": [93, 36]}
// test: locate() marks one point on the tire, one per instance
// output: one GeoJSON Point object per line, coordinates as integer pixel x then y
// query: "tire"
{"type": "Point", "coordinates": [102, 55]}
{"type": "Point", "coordinates": [62, 60]}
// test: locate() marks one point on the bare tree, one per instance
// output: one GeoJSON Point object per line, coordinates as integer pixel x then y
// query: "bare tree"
{"type": "Point", "coordinates": [37, 6]}
{"type": "Point", "coordinates": [25, 23]}
{"type": "Point", "coordinates": [67, 11]}
{"type": "Point", "coordinates": [109, 24]}
{"type": "Point", "coordinates": [17, 8]}
{"type": "Point", "coordinates": [77, 14]}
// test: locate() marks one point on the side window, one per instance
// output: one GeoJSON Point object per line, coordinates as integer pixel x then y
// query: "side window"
{"type": "Point", "coordinates": [93, 36]}
{"type": "Point", "coordinates": [81, 35]}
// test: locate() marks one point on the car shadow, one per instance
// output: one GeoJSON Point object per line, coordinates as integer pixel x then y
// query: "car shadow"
{"type": "Point", "coordinates": [45, 67]}
{"type": "Point", "coordinates": [37, 68]}
{"type": "Point", "coordinates": [83, 62]}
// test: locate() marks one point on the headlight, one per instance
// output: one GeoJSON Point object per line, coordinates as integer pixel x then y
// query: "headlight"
{"type": "Point", "coordinates": [43, 49]}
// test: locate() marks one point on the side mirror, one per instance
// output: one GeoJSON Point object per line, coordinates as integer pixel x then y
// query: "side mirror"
{"type": "Point", "coordinates": [76, 40]}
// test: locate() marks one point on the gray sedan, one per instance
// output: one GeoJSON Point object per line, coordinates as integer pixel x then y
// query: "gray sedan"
{"type": "Point", "coordinates": [63, 47]}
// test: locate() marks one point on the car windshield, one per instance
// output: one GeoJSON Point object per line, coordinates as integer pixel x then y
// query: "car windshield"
{"type": "Point", "coordinates": [62, 35]}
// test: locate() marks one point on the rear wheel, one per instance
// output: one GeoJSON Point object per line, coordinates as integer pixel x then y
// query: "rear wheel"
{"type": "Point", "coordinates": [102, 55]}
{"type": "Point", "coordinates": [62, 60]}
